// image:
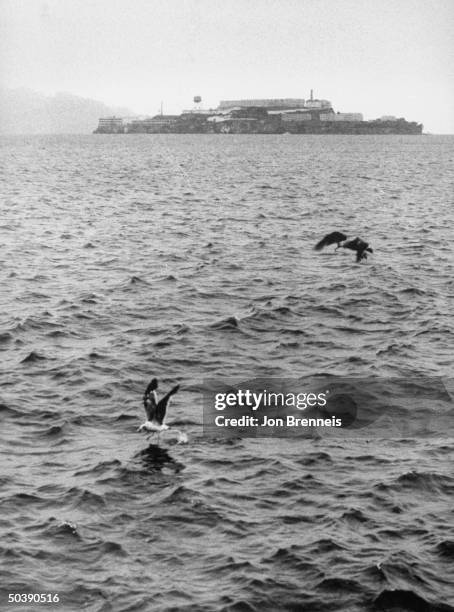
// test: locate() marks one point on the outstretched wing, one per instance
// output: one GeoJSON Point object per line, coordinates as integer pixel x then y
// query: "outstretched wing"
{"type": "Point", "coordinates": [161, 408]}
{"type": "Point", "coordinates": [333, 238]}
{"type": "Point", "coordinates": [150, 401]}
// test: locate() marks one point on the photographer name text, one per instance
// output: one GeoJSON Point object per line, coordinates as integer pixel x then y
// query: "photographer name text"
{"type": "Point", "coordinates": [265, 421]}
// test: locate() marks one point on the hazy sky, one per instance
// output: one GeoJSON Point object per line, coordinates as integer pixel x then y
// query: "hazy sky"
{"type": "Point", "coordinates": [372, 56]}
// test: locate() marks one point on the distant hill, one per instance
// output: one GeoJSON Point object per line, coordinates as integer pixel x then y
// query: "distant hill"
{"type": "Point", "coordinates": [24, 111]}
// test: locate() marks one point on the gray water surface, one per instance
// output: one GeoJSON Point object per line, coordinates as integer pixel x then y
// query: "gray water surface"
{"type": "Point", "coordinates": [189, 257]}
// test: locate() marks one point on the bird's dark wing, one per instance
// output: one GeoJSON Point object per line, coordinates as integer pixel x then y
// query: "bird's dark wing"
{"type": "Point", "coordinates": [162, 405]}
{"type": "Point", "coordinates": [332, 238]}
{"type": "Point", "coordinates": [150, 401]}
{"type": "Point", "coordinates": [152, 386]}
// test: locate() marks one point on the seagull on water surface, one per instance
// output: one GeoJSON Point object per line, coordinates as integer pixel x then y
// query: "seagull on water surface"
{"type": "Point", "coordinates": [156, 410]}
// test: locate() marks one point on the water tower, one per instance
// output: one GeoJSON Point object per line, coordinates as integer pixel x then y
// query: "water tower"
{"type": "Point", "coordinates": [197, 101]}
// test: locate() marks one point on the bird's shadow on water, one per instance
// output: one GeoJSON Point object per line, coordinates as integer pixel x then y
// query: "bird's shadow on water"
{"type": "Point", "coordinates": [154, 458]}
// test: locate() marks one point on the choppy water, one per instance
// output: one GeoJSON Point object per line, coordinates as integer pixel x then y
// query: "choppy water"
{"type": "Point", "coordinates": [189, 257]}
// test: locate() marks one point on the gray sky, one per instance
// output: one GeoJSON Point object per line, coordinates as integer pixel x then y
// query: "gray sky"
{"type": "Point", "coordinates": [372, 56]}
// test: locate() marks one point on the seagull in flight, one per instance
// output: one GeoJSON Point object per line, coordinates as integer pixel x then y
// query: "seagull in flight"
{"type": "Point", "coordinates": [155, 410]}
{"type": "Point", "coordinates": [357, 244]}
